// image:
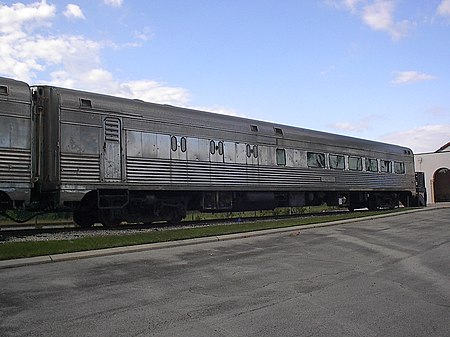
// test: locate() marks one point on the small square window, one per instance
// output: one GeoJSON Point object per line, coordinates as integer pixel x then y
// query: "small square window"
{"type": "Point", "coordinates": [278, 131]}
{"type": "Point", "coordinates": [3, 90]}
{"type": "Point", "coordinates": [254, 128]}
{"type": "Point", "coordinates": [85, 103]}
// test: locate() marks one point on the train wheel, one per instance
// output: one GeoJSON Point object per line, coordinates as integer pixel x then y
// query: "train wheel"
{"type": "Point", "coordinates": [372, 203]}
{"type": "Point", "coordinates": [175, 219]}
{"type": "Point", "coordinates": [84, 219]}
{"type": "Point", "coordinates": [109, 218]}
{"type": "Point", "coordinates": [175, 214]}
{"type": "Point", "coordinates": [85, 215]}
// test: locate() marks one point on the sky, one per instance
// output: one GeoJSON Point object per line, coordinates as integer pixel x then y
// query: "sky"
{"type": "Point", "coordinates": [373, 69]}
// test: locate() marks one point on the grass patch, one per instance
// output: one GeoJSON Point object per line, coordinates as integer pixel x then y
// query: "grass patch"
{"type": "Point", "coordinates": [14, 250]}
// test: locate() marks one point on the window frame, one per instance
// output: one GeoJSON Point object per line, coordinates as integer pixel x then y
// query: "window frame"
{"type": "Point", "coordinates": [402, 167]}
{"type": "Point", "coordinates": [341, 156]}
{"type": "Point", "coordinates": [183, 144]}
{"type": "Point", "coordinates": [369, 165]}
{"type": "Point", "coordinates": [173, 143]}
{"type": "Point", "coordinates": [281, 157]}
{"type": "Point", "coordinates": [315, 155]}
{"type": "Point", "coordinates": [359, 164]}
{"type": "Point", "coordinates": [385, 166]}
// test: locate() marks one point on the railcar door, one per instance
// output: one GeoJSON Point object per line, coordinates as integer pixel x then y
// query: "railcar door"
{"type": "Point", "coordinates": [111, 152]}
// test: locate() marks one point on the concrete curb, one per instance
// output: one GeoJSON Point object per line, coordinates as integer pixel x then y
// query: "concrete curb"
{"type": "Point", "coordinates": [161, 245]}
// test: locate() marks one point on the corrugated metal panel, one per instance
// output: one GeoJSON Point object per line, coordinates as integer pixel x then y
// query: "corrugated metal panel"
{"type": "Point", "coordinates": [166, 175]}
{"type": "Point", "coordinates": [140, 170]}
{"type": "Point", "coordinates": [80, 169]}
{"type": "Point", "coordinates": [15, 165]}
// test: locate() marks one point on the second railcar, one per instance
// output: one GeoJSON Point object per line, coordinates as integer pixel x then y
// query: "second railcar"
{"type": "Point", "coordinates": [15, 144]}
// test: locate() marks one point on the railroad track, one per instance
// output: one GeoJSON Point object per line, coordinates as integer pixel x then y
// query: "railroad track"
{"type": "Point", "coordinates": [69, 231]}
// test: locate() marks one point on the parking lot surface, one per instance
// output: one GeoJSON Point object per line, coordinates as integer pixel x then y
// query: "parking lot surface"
{"type": "Point", "coordinates": [378, 277]}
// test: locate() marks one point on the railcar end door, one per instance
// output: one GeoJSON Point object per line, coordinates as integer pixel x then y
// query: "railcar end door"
{"type": "Point", "coordinates": [111, 152]}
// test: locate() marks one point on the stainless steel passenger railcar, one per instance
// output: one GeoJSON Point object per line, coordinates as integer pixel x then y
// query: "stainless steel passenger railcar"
{"type": "Point", "coordinates": [113, 159]}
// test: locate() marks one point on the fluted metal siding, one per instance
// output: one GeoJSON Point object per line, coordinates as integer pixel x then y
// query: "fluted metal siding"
{"type": "Point", "coordinates": [15, 166]}
{"type": "Point", "coordinates": [80, 169]}
{"type": "Point", "coordinates": [196, 174]}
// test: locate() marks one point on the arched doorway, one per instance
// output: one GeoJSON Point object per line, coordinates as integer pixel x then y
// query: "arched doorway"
{"type": "Point", "coordinates": [442, 185]}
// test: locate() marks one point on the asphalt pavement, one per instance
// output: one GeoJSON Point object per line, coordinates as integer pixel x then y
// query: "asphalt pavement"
{"type": "Point", "coordinates": [387, 276]}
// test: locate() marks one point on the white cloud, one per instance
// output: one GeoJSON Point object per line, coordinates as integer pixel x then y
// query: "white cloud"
{"type": "Point", "coordinates": [71, 61]}
{"type": "Point", "coordinates": [143, 35]}
{"type": "Point", "coordinates": [411, 76]}
{"type": "Point", "coordinates": [12, 18]}
{"type": "Point", "coordinates": [444, 8]}
{"type": "Point", "coordinates": [350, 126]}
{"type": "Point", "coordinates": [152, 91]}
{"type": "Point", "coordinates": [328, 70]}
{"type": "Point", "coordinates": [113, 3]}
{"type": "Point", "coordinates": [21, 49]}
{"type": "Point", "coordinates": [427, 138]}
{"type": "Point", "coordinates": [73, 12]}
{"type": "Point", "coordinates": [358, 125]}
{"type": "Point", "coordinates": [377, 14]}
{"type": "Point", "coordinates": [220, 110]}
{"type": "Point", "coordinates": [350, 5]}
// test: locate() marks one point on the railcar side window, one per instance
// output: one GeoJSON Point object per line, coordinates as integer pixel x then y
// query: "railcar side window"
{"type": "Point", "coordinates": [337, 162]}
{"type": "Point", "coordinates": [355, 164]}
{"type": "Point", "coordinates": [385, 166]}
{"type": "Point", "coordinates": [220, 148]}
{"type": "Point", "coordinates": [83, 139]}
{"type": "Point", "coordinates": [248, 150]}
{"type": "Point", "coordinates": [316, 160]}
{"type": "Point", "coordinates": [399, 167]}
{"type": "Point", "coordinates": [212, 147]}
{"type": "Point", "coordinates": [255, 151]}
{"type": "Point", "coordinates": [183, 144]}
{"type": "Point", "coordinates": [173, 143]}
{"type": "Point", "coordinates": [281, 157]}
{"type": "Point", "coordinates": [371, 165]}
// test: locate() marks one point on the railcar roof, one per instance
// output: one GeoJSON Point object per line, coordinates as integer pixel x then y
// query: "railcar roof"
{"type": "Point", "coordinates": [14, 90]}
{"type": "Point", "coordinates": [172, 114]}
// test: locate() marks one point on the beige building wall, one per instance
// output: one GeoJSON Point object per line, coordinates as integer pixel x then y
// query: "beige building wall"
{"type": "Point", "coordinates": [430, 163]}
